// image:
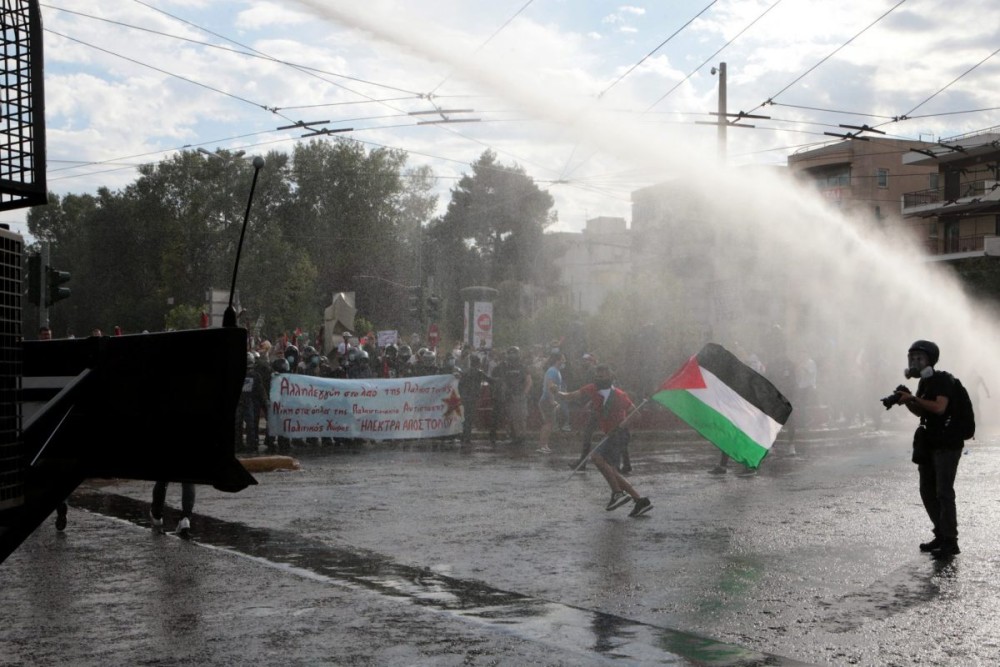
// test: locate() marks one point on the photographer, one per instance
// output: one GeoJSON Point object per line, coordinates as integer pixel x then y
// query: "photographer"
{"type": "Point", "coordinates": [936, 449]}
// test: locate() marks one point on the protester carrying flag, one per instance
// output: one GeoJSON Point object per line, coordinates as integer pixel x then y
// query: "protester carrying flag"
{"type": "Point", "coordinates": [729, 403]}
{"type": "Point", "coordinates": [613, 407]}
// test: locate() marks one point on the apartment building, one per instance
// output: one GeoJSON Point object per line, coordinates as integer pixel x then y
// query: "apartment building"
{"type": "Point", "coordinates": [866, 179]}
{"type": "Point", "coordinates": [596, 263]}
{"type": "Point", "coordinates": [957, 208]}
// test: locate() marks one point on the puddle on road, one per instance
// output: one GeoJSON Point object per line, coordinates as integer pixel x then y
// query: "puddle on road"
{"type": "Point", "coordinates": [571, 628]}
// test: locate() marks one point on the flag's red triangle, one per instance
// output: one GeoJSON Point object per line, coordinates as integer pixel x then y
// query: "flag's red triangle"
{"type": "Point", "coordinates": [688, 377]}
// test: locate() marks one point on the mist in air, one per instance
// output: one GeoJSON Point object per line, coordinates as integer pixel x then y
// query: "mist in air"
{"type": "Point", "coordinates": [768, 251]}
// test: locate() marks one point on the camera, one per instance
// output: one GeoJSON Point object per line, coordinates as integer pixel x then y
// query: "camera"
{"type": "Point", "coordinates": [893, 398]}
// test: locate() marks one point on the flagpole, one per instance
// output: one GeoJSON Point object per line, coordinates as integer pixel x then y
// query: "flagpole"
{"type": "Point", "coordinates": [604, 439]}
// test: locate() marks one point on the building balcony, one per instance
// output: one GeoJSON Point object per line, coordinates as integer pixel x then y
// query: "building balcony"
{"type": "Point", "coordinates": [975, 197]}
{"type": "Point", "coordinates": [963, 246]}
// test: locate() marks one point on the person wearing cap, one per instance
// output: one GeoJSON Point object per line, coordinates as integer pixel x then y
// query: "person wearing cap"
{"type": "Point", "coordinates": [343, 348]}
{"type": "Point", "coordinates": [936, 449]}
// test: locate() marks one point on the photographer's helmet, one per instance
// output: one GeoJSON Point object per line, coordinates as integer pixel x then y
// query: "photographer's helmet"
{"type": "Point", "coordinates": [405, 352]}
{"type": "Point", "coordinates": [391, 351]}
{"type": "Point", "coordinates": [927, 347]}
{"type": "Point", "coordinates": [280, 365]}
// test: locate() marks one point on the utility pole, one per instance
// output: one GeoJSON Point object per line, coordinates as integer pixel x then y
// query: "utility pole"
{"type": "Point", "coordinates": [722, 121]}
{"type": "Point", "coordinates": [723, 118]}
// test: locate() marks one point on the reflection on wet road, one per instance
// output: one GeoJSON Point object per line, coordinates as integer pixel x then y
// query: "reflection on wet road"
{"type": "Point", "coordinates": [565, 627]}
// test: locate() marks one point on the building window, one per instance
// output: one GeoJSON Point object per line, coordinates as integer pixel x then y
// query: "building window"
{"type": "Point", "coordinates": [835, 178]}
{"type": "Point", "coordinates": [933, 180]}
{"type": "Point", "coordinates": [882, 178]}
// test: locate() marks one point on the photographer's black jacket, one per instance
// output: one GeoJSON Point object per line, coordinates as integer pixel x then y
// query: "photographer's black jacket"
{"type": "Point", "coordinates": [938, 436]}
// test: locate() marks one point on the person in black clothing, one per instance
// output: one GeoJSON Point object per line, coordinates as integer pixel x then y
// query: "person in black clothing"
{"type": "Point", "coordinates": [937, 449]}
{"type": "Point", "coordinates": [470, 385]}
{"type": "Point", "coordinates": [516, 386]}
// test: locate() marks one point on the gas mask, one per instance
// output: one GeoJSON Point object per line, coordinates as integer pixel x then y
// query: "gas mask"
{"type": "Point", "coordinates": [603, 384]}
{"type": "Point", "coordinates": [923, 374]}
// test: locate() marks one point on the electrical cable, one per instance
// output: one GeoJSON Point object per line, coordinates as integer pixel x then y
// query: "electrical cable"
{"type": "Point", "coordinates": [645, 57]}
{"type": "Point", "coordinates": [483, 45]}
{"type": "Point", "coordinates": [163, 71]}
{"type": "Point", "coordinates": [827, 57]}
{"type": "Point", "coordinates": [250, 54]}
{"type": "Point", "coordinates": [717, 52]}
{"type": "Point", "coordinates": [953, 81]}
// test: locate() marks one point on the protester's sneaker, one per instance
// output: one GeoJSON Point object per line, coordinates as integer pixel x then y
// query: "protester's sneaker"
{"type": "Point", "coordinates": [932, 545]}
{"type": "Point", "coordinates": [717, 470]}
{"type": "Point", "coordinates": [947, 549]}
{"type": "Point", "coordinates": [544, 450]}
{"type": "Point", "coordinates": [156, 524]}
{"type": "Point", "coordinates": [641, 506]}
{"type": "Point", "coordinates": [749, 472]}
{"type": "Point", "coordinates": [566, 429]}
{"type": "Point", "coordinates": [184, 527]}
{"type": "Point", "coordinates": [618, 499]}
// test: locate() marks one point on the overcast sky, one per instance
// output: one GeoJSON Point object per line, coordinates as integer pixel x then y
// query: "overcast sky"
{"type": "Point", "coordinates": [585, 95]}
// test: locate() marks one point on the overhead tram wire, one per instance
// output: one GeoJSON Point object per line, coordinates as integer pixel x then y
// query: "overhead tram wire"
{"type": "Point", "coordinates": [711, 57]}
{"type": "Point", "coordinates": [650, 54]}
{"type": "Point", "coordinates": [483, 45]}
{"type": "Point", "coordinates": [770, 100]}
{"type": "Point", "coordinates": [275, 109]}
{"type": "Point", "coordinates": [567, 172]}
{"type": "Point", "coordinates": [906, 115]}
{"type": "Point", "coordinates": [835, 111]}
{"type": "Point", "coordinates": [430, 96]}
{"type": "Point", "coordinates": [227, 49]}
{"type": "Point", "coordinates": [176, 76]}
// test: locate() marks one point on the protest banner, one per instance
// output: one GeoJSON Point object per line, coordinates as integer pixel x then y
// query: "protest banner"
{"type": "Point", "coordinates": [302, 406]}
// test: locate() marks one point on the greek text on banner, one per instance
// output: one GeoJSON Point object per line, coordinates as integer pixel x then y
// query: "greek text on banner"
{"type": "Point", "coordinates": [302, 406]}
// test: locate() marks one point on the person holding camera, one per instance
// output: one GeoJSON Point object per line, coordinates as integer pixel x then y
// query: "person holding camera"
{"type": "Point", "coordinates": [936, 448]}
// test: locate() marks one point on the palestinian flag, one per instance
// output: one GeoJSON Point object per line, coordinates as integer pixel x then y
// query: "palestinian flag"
{"type": "Point", "coordinates": [728, 402]}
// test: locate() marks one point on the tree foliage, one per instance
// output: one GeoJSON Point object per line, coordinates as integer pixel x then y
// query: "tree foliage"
{"type": "Point", "coordinates": [318, 218]}
{"type": "Point", "coordinates": [490, 234]}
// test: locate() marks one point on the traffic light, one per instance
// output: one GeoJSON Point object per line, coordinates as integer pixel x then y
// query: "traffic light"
{"type": "Point", "coordinates": [416, 305]}
{"type": "Point", "coordinates": [434, 307]}
{"type": "Point", "coordinates": [53, 283]}
{"type": "Point", "coordinates": [35, 279]}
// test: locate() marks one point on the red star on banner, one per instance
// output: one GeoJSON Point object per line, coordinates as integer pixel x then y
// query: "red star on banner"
{"type": "Point", "coordinates": [454, 403]}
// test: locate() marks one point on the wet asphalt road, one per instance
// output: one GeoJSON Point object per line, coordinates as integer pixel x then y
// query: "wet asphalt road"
{"type": "Point", "coordinates": [423, 553]}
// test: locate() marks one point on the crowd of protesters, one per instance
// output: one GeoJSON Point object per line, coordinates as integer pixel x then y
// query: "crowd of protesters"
{"type": "Point", "coordinates": [500, 389]}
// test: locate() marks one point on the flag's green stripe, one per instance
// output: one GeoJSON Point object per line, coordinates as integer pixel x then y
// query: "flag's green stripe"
{"type": "Point", "coordinates": [715, 427]}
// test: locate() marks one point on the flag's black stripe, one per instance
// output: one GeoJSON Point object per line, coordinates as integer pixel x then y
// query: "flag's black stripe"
{"type": "Point", "coordinates": [745, 381]}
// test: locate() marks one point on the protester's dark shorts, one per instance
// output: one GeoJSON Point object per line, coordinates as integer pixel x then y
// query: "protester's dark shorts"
{"type": "Point", "coordinates": [613, 447]}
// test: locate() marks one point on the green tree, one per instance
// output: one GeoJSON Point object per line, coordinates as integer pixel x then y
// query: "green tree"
{"type": "Point", "coordinates": [352, 212]}
{"type": "Point", "coordinates": [500, 214]}
{"type": "Point", "coordinates": [315, 223]}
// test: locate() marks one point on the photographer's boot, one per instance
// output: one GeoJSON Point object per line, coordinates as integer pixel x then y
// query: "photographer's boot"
{"type": "Point", "coordinates": [947, 549]}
